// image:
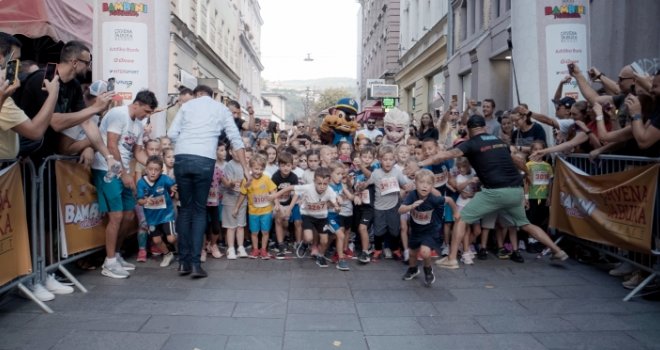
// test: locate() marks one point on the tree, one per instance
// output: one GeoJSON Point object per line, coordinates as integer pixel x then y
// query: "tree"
{"type": "Point", "coordinates": [329, 97]}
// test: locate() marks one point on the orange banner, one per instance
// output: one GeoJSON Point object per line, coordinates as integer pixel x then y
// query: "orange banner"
{"type": "Point", "coordinates": [15, 257]}
{"type": "Point", "coordinates": [81, 221]}
{"type": "Point", "coordinates": [615, 209]}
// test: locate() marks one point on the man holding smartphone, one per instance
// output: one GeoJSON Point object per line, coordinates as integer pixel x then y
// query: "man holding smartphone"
{"type": "Point", "coordinates": [13, 120]}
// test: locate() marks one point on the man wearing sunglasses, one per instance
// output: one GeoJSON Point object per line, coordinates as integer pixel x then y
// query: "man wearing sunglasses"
{"type": "Point", "coordinates": [370, 130]}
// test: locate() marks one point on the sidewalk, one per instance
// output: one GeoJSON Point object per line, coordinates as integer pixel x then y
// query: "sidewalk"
{"type": "Point", "coordinates": [293, 304]}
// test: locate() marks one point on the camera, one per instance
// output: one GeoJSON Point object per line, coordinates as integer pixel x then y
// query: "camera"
{"type": "Point", "coordinates": [111, 84]}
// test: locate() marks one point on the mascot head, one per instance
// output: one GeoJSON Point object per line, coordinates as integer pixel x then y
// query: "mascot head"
{"type": "Point", "coordinates": [396, 123]}
{"type": "Point", "coordinates": [340, 124]}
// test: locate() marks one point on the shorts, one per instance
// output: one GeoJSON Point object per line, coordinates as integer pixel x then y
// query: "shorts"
{"type": "Point", "coordinates": [490, 221]}
{"type": "Point", "coordinates": [449, 213]}
{"type": "Point", "coordinates": [387, 221]}
{"type": "Point", "coordinates": [295, 214]}
{"type": "Point", "coordinates": [229, 221]}
{"type": "Point", "coordinates": [346, 222]}
{"type": "Point", "coordinates": [364, 215]}
{"type": "Point", "coordinates": [261, 223]}
{"type": "Point", "coordinates": [162, 230]}
{"type": "Point", "coordinates": [112, 196]}
{"type": "Point", "coordinates": [314, 224]}
{"type": "Point", "coordinates": [429, 239]}
{"type": "Point", "coordinates": [508, 202]}
{"type": "Point", "coordinates": [336, 222]}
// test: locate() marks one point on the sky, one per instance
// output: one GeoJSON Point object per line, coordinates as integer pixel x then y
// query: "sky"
{"type": "Point", "coordinates": [327, 29]}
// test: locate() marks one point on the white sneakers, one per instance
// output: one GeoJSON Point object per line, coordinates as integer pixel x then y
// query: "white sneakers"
{"type": "Point", "coordinates": [55, 287]}
{"type": "Point", "coordinates": [167, 259]}
{"type": "Point", "coordinates": [113, 270]}
{"type": "Point", "coordinates": [42, 293]}
{"type": "Point", "coordinates": [231, 253]}
{"type": "Point", "coordinates": [241, 252]}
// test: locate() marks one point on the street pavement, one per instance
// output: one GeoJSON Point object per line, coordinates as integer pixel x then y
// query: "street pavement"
{"type": "Point", "coordinates": [293, 304]}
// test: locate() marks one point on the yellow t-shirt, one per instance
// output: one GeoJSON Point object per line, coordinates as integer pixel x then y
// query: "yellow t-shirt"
{"type": "Point", "coordinates": [257, 194]}
{"type": "Point", "coordinates": [10, 116]}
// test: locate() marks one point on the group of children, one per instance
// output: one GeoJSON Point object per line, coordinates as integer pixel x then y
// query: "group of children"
{"type": "Point", "coordinates": [336, 202]}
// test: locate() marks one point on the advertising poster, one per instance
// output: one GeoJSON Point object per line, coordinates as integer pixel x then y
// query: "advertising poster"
{"type": "Point", "coordinates": [15, 257]}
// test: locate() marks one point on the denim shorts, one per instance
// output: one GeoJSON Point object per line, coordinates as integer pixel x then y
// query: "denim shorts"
{"type": "Point", "coordinates": [261, 223]}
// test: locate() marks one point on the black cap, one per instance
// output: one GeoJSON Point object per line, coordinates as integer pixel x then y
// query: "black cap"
{"type": "Point", "coordinates": [566, 102]}
{"type": "Point", "coordinates": [476, 121]}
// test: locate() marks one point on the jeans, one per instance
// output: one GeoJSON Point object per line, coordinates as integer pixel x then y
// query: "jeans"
{"type": "Point", "coordinates": [193, 177]}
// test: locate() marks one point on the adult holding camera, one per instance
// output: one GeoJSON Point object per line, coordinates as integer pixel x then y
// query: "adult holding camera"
{"type": "Point", "coordinates": [13, 120]}
{"type": "Point", "coordinates": [427, 129]}
{"type": "Point", "coordinates": [487, 107]}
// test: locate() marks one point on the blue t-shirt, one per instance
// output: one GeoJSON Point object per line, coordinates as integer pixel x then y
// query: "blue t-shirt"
{"type": "Point", "coordinates": [441, 174]}
{"type": "Point", "coordinates": [162, 210]}
{"type": "Point", "coordinates": [428, 217]}
{"type": "Point", "coordinates": [367, 195]}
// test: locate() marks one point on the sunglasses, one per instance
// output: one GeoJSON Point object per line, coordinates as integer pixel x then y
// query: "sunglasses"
{"type": "Point", "coordinates": [454, 113]}
{"type": "Point", "coordinates": [371, 123]}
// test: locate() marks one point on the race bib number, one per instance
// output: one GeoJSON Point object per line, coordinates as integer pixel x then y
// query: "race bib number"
{"type": "Point", "coordinates": [260, 201]}
{"type": "Point", "coordinates": [541, 178]}
{"type": "Point", "coordinates": [421, 217]}
{"type": "Point", "coordinates": [389, 185]}
{"type": "Point", "coordinates": [157, 202]}
{"type": "Point", "coordinates": [440, 179]}
{"type": "Point", "coordinates": [317, 209]}
{"type": "Point", "coordinates": [365, 197]}
{"type": "Point", "coordinates": [214, 195]}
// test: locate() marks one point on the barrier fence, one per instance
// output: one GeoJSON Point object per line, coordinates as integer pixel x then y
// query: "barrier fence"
{"type": "Point", "coordinates": [610, 204]}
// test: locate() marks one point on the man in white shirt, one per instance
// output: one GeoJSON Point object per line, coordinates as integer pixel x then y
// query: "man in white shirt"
{"type": "Point", "coordinates": [370, 131]}
{"type": "Point", "coordinates": [195, 130]}
{"type": "Point", "coordinates": [121, 130]}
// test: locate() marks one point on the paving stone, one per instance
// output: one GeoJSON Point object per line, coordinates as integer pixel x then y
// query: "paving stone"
{"type": "Point", "coordinates": [99, 340]}
{"type": "Point", "coordinates": [450, 325]}
{"type": "Point", "coordinates": [320, 293]}
{"type": "Point", "coordinates": [456, 342]}
{"type": "Point", "coordinates": [650, 339]}
{"type": "Point", "coordinates": [236, 295]}
{"type": "Point", "coordinates": [265, 310]}
{"type": "Point", "coordinates": [214, 325]}
{"type": "Point", "coordinates": [502, 293]}
{"type": "Point", "coordinates": [30, 339]}
{"type": "Point", "coordinates": [80, 320]}
{"type": "Point", "coordinates": [321, 307]}
{"type": "Point", "coordinates": [614, 322]}
{"type": "Point", "coordinates": [588, 340]}
{"type": "Point", "coordinates": [174, 307]}
{"type": "Point", "coordinates": [393, 309]}
{"type": "Point", "coordinates": [253, 342]}
{"type": "Point", "coordinates": [305, 322]}
{"type": "Point", "coordinates": [391, 326]}
{"type": "Point", "coordinates": [524, 324]}
{"type": "Point", "coordinates": [581, 306]}
{"type": "Point", "coordinates": [196, 341]}
{"type": "Point", "coordinates": [318, 340]}
{"type": "Point", "coordinates": [482, 308]}
{"type": "Point", "coordinates": [588, 291]}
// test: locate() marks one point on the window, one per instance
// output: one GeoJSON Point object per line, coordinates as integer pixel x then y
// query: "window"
{"type": "Point", "coordinates": [466, 81]}
{"type": "Point", "coordinates": [463, 19]}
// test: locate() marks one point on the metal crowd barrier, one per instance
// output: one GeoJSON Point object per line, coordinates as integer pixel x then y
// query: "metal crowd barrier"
{"type": "Point", "coordinates": [607, 164]}
{"type": "Point", "coordinates": [49, 225]}
{"type": "Point", "coordinates": [30, 191]}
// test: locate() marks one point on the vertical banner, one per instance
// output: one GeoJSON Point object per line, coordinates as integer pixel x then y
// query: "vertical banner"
{"type": "Point", "coordinates": [81, 223]}
{"type": "Point", "coordinates": [15, 257]}
{"type": "Point", "coordinates": [131, 42]}
{"type": "Point", "coordinates": [615, 209]}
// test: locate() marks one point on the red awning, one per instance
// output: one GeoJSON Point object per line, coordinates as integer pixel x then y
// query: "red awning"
{"type": "Point", "coordinates": [62, 20]}
{"type": "Point", "coordinates": [375, 111]}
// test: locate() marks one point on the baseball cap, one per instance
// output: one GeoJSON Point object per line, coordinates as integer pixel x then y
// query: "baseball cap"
{"type": "Point", "coordinates": [476, 121]}
{"type": "Point", "coordinates": [98, 87]}
{"type": "Point", "coordinates": [566, 102]}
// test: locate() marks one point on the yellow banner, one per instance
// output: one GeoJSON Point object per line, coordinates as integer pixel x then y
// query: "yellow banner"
{"type": "Point", "coordinates": [79, 209]}
{"type": "Point", "coordinates": [614, 209]}
{"type": "Point", "coordinates": [15, 257]}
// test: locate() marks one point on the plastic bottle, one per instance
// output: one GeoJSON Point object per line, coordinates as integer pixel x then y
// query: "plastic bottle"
{"type": "Point", "coordinates": [113, 172]}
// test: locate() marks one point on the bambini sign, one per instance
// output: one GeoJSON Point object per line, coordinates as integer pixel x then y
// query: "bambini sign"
{"type": "Point", "coordinates": [124, 8]}
{"type": "Point", "coordinates": [14, 242]}
{"type": "Point", "coordinates": [614, 209]}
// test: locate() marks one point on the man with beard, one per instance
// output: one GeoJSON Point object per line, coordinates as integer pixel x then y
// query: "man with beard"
{"type": "Point", "coordinates": [370, 131]}
{"type": "Point", "coordinates": [75, 61]}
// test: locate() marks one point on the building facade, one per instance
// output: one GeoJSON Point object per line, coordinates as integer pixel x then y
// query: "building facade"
{"type": "Point", "coordinates": [378, 44]}
{"type": "Point", "coordinates": [423, 55]}
{"type": "Point", "coordinates": [249, 53]}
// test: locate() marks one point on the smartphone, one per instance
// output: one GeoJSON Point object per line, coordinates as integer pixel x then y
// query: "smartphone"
{"type": "Point", "coordinates": [12, 71]}
{"type": "Point", "coordinates": [111, 84]}
{"type": "Point", "coordinates": [571, 67]}
{"type": "Point", "coordinates": [633, 90]}
{"type": "Point", "coordinates": [478, 103]}
{"type": "Point", "coordinates": [51, 69]}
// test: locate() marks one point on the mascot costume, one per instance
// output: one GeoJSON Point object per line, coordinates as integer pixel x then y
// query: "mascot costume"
{"type": "Point", "coordinates": [396, 123]}
{"type": "Point", "coordinates": [340, 124]}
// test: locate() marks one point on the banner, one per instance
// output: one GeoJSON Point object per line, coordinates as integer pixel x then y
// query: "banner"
{"type": "Point", "coordinates": [614, 209]}
{"type": "Point", "coordinates": [15, 257]}
{"type": "Point", "coordinates": [81, 223]}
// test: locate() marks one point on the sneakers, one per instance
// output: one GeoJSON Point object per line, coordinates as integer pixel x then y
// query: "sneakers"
{"type": "Point", "coordinates": [154, 250]}
{"type": "Point", "coordinates": [167, 259]}
{"type": "Point", "coordinates": [241, 252]}
{"type": "Point", "coordinates": [482, 254]}
{"type": "Point", "coordinates": [377, 254]}
{"type": "Point", "coordinates": [397, 255]}
{"type": "Point", "coordinates": [125, 265]}
{"type": "Point", "coordinates": [301, 249]}
{"type": "Point", "coordinates": [281, 254]}
{"type": "Point", "coordinates": [560, 256]}
{"type": "Point", "coordinates": [467, 258]}
{"type": "Point", "coordinates": [231, 253]}
{"type": "Point", "coordinates": [342, 265]}
{"type": "Point", "coordinates": [411, 273]}
{"type": "Point", "coordinates": [113, 270]}
{"type": "Point", "coordinates": [255, 254]}
{"type": "Point", "coordinates": [264, 254]}
{"type": "Point", "coordinates": [445, 250]}
{"type": "Point", "coordinates": [429, 277]}
{"type": "Point", "coordinates": [516, 257]}
{"type": "Point", "coordinates": [215, 252]}
{"type": "Point", "coordinates": [142, 255]}
{"type": "Point", "coordinates": [625, 268]}
{"type": "Point", "coordinates": [55, 287]}
{"type": "Point", "coordinates": [445, 263]}
{"type": "Point", "coordinates": [202, 257]}
{"type": "Point", "coordinates": [363, 257]}
{"type": "Point", "coordinates": [522, 245]}
{"type": "Point", "coordinates": [503, 253]}
{"type": "Point", "coordinates": [320, 261]}
{"type": "Point", "coordinates": [42, 293]}
{"type": "Point", "coordinates": [348, 253]}
{"type": "Point", "coordinates": [388, 253]}
{"type": "Point", "coordinates": [635, 279]}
